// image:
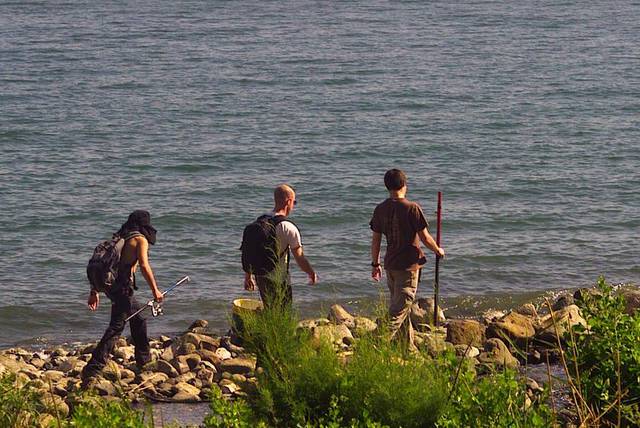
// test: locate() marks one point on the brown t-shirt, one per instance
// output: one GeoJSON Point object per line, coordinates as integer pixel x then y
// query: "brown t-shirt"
{"type": "Point", "coordinates": [400, 220]}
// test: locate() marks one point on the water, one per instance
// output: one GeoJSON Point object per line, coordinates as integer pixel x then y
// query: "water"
{"type": "Point", "coordinates": [524, 114]}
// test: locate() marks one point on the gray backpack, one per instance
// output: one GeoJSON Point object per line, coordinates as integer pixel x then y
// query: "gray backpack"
{"type": "Point", "coordinates": [102, 268]}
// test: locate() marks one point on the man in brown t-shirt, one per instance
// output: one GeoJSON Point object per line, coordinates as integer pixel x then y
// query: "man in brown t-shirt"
{"type": "Point", "coordinates": [404, 226]}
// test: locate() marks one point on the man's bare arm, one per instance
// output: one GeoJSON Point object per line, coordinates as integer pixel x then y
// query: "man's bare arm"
{"type": "Point", "coordinates": [304, 264]}
{"type": "Point", "coordinates": [429, 242]}
{"type": "Point", "coordinates": [145, 267]}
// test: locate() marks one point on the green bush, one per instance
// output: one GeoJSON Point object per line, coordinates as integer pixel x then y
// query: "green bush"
{"type": "Point", "coordinates": [95, 412]}
{"type": "Point", "coordinates": [607, 356]}
{"type": "Point", "coordinates": [20, 404]}
{"type": "Point", "coordinates": [495, 400]}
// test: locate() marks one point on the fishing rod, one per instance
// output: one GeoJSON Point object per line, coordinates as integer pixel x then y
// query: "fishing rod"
{"type": "Point", "coordinates": [156, 308]}
{"type": "Point", "coordinates": [437, 279]}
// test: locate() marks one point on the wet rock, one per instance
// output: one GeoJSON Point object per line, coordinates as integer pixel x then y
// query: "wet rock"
{"type": "Point", "coordinates": [512, 326]}
{"type": "Point", "coordinates": [238, 365]}
{"type": "Point", "coordinates": [528, 310]}
{"type": "Point", "coordinates": [162, 367]}
{"type": "Point", "coordinates": [422, 313]}
{"type": "Point", "coordinates": [340, 315]}
{"type": "Point", "coordinates": [465, 332]}
{"type": "Point", "coordinates": [497, 353]}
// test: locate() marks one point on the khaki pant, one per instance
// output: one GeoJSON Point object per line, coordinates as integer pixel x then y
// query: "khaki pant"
{"type": "Point", "coordinates": [402, 287]}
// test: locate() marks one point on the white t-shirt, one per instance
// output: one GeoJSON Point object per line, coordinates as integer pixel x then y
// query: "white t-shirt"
{"type": "Point", "coordinates": [288, 235]}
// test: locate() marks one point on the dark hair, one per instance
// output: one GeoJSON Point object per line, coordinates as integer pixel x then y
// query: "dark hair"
{"type": "Point", "coordinates": [394, 179]}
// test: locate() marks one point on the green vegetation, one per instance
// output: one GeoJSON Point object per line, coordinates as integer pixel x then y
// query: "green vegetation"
{"type": "Point", "coordinates": [604, 359]}
{"type": "Point", "coordinates": [22, 405]}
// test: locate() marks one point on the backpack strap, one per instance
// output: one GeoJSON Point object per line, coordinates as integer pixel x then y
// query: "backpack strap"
{"type": "Point", "coordinates": [276, 220]}
{"type": "Point", "coordinates": [131, 235]}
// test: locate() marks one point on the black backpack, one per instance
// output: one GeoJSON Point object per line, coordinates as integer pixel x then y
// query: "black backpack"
{"type": "Point", "coordinates": [260, 252]}
{"type": "Point", "coordinates": [102, 268]}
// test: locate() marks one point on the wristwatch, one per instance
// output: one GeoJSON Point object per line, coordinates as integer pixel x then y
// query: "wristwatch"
{"type": "Point", "coordinates": [374, 264]}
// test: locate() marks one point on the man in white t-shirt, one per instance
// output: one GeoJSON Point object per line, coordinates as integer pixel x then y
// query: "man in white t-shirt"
{"type": "Point", "coordinates": [289, 240]}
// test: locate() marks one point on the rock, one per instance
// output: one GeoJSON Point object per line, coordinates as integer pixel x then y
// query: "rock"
{"type": "Point", "coordinates": [127, 353]}
{"type": "Point", "coordinates": [422, 313]}
{"type": "Point", "coordinates": [209, 356]}
{"type": "Point", "coordinates": [186, 388]}
{"type": "Point", "coordinates": [363, 326]}
{"type": "Point", "coordinates": [340, 315]}
{"type": "Point", "coordinates": [165, 388]}
{"type": "Point", "coordinates": [331, 333]}
{"type": "Point", "coordinates": [564, 319]}
{"type": "Point", "coordinates": [111, 372]}
{"type": "Point", "coordinates": [238, 365]}
{"type": "Point", "coordinates": [206, 376]}
{"type": "Point", "coordinates": [199, 324]}
{"type": "Point", "coordinates": [562, 302]}
{"type": "Point", "coordinates": [228, 387]}
{"type": "Point", "coordinates": [209, 343]}
{"type": "Point", "coordinates": [512, 326]}
{"type": "Point", "coordinates": [37, 362]}
{"type": "Point", "coordinates": [45, 420]}
{"type": "Point", "coordinates": [432, 343]}
{"type": "Point", "coordinates": [10, 363]}
{"type": "Point", "coordinates": [632, 301]}
{"type": "Point", "coordinates": [528, 310]}
{"type": "Point", "coordinates": [467, 351]}
{"type": "Point", "coordinates": [497, 353]}
{"type": "Point", "coordinates": [105, 388]}
{"type": "Point", "coordinates": [238, 378]}
{"type": "Point", "coordinates": [52, 376]}
{"type": "Point", "coordinates": [153, 378]}
{"type": "Point", "coordinates": [167, 354]}
{"type": "Point", "coordinates": [307, 324]}
{"type": "Point", "coordinates": [162, 367]}
{"type": "Point", "coordinates": [55, 405]}
{"type": "Point", "coordinates": [191, 338]}
{"type": "Point", "coordinates": [186, 397]}
{"type": "Point", "coordinates": [58, 352]}
{"type": "Point", "coordinates": [465, 332]}
{"type": "Point", "coordinates": [492, 315]}
{"type": "Point", "coordinates": [70, 364]}
{"type": "Point", "coordinates": [583, 293]}
{"type": "Point", "coordinates": [186, 348]}
{"type": "Point", "coordinates": [222, 353]}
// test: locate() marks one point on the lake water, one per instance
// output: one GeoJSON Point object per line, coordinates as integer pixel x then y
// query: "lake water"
{"type": "Point", "coordinates": [524, 114]}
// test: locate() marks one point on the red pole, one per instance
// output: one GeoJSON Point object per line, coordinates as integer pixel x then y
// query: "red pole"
{"type": "Point", "coordinates": [437, 282]}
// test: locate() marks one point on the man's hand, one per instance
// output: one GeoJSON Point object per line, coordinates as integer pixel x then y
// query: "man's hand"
{"type": "Point", "coordinates": [93, 301]}
{"type": "Point", "coordinates": [313, 278]}
{"type": "Point", "coordinates": [440, 252]}
{"type": "Point", "coordinates": [376, 273]}
{"type": "Point", "coordinates": [157, 295]}
{"type": "Point", "coordinates": [249, 282]}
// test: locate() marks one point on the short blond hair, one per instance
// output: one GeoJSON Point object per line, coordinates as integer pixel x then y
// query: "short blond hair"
{"type": "Point", "coordinates": [282, 193]}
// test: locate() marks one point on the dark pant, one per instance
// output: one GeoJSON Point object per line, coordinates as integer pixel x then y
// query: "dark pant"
{"type": "Point", "coordinates": [274, 293]}
{"type": "Point", "coordinates": [123, 304]}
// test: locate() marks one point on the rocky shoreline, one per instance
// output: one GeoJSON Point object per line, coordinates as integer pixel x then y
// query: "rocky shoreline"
{"type": "Point", "coordinates": [185, 368]}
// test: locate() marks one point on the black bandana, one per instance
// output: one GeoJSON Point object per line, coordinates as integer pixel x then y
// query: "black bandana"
{"type": "Point", "coordinates": [139, 221]}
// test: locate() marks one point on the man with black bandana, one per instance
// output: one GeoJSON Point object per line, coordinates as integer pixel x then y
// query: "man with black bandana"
{"type": "Point", "coordinates": [138, 234]}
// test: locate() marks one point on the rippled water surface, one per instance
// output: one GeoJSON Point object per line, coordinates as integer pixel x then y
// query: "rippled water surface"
{"type": "Point", "coordinates": [524, 114]}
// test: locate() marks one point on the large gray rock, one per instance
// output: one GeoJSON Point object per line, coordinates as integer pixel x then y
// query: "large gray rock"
{"type": "Point", "coordinates": [340, 315]}
{"type": "Point", "coordinates": [465, 332]}
{"type": "Point", "coordinates": [422, 313]}
{"type": "Point", "coordinates": [497, 353]}
{"type": "Point", "coordinates": [237, 365]}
